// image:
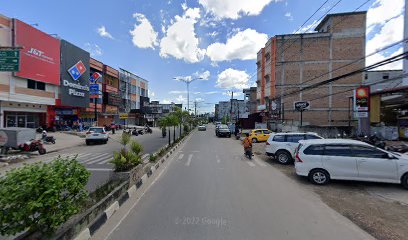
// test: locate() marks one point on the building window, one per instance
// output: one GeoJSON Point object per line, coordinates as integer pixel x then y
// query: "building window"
{"type": "Point", "coordinates": [366, 76]}
{"type": "Point", "coordinates": [386, 76]}
{"type": "Point", "coordinates": [267, 57]}
{"type": "Point", "coordinates": [31, 84]}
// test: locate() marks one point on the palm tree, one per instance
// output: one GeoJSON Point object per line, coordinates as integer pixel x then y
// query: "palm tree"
{"type": "Point", "coordinates": [174, 121]}
{"type": "Point", "coordinates": [165, 122]}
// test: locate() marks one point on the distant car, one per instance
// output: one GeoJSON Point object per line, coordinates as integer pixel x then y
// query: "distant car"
{"type": "Point", "coordinates": [259, 135]}
{"type": "Point", "coordinates": [223, 131]}
{"type": "Point", "coordinates": [202, 128]}
{"type": "Point", "coordinates": [282, 145]}
{"type": "Point", "coordinates": [96, 134]}
{"type": "Point", "coordinates": [344, 159]}
{"type": "Point", "coordinates": [217, 123]}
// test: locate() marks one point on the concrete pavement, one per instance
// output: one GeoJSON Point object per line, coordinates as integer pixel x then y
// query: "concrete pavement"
{"type": "Point", "coordinates": [211, 191]}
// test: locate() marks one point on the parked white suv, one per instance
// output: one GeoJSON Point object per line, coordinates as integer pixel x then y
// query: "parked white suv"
{"type": "Point", "coordinates": [322, 160]}
{"type": "Point", "coordinates": [282, 145]}
{"type": "Point", "coordinates": [96, 134]}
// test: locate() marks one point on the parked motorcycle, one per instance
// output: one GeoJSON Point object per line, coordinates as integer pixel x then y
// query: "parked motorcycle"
{"type": "Point", "coordinates": [135, 132]}
{"type": "Point", "coordinates": [32, 146]}
{"type": "Point", "coordinates": [140, 131]}
{"type": "Point", "coordinates": [148, 130]}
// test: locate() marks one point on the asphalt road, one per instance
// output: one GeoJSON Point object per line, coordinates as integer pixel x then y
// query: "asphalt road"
{"type": "Point", "coordinates": [96, 157]}
{"type": "Point", "coordinates": [209, 190]}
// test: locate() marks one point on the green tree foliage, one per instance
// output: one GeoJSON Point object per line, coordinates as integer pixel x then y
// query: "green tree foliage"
{"type": "Point", "coordinates": [40, 197]}
{"type": "Point", "coordinates": [125, 159]}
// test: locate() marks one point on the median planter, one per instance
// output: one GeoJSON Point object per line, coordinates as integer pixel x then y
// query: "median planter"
{"type": "Point", "coordinates": [133, 175]}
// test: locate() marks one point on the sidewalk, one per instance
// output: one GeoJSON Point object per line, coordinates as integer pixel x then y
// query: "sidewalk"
{"type": "Point", "coordinates": [63, 141]}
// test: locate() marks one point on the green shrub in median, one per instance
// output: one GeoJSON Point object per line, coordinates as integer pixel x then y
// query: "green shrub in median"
{"type": "Point", "coordinates": [125, 159]}
{"type": "Point", "coordinates": [40, 197]}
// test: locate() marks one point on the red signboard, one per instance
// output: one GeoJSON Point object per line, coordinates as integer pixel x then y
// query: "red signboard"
{"type": "Point", "coordinates": [39, 56]}
{"type": "Point", "coordinates": [362, 99]}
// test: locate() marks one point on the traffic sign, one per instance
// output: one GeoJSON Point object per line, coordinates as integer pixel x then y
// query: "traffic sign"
{"type": "Point", "coordinates": [301, 105]}
{"type": "Point", "coordinates": [9, 60]}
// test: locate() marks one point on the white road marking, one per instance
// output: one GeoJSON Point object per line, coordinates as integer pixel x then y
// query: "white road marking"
{"type": "Point", "coordinates": [195, 151]}
{"type": "Point", "coordinates": [218, 158]}
{"type": "Point", "coordinates": [181, 156]}
{"type": "Point", "coordinates": [100, 169]}
{"type": "Point", "coordinates": [96, 159]}
{"type": "Point", "coordinates": [105, 161]}
{"type": "Point", "coordinates": [251, 164]}
{"type": "Point", "coordinates": [259, 162]}
{"type": "Point", "coordinates": [189, 160]}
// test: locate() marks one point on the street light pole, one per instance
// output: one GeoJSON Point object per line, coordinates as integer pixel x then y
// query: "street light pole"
{"type": "Point", "coordinates": [187, 81]}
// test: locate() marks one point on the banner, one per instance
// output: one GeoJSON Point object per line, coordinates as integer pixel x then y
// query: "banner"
{"type": "Point", "coordinates": [39, 56]}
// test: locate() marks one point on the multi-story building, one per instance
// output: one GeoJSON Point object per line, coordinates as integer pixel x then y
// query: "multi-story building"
{"type": "Point", "coordinates": [216, 112]}
{"type": "Point", "coordinates": [132, 88]}
{"type": "Point", "coordinates": [380, 80]}
{"type": "Point", "coordinates": [291, 62]}
{"type": "Point", "coordinates": [232, 110]}
{"type": "Point", "coordinates": [250, 99]}
{"type": "Point", "coordinates": [25, 95]}
{"type": "Point", "coordinates": [155, 110]}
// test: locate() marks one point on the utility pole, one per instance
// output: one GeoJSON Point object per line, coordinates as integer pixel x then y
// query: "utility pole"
{"type": "Point", "coordinates": [405, 61]}
{"type": "Point", "coordinates": [232, 96]}
{"type": "Point", "coordinates": [195, 108]}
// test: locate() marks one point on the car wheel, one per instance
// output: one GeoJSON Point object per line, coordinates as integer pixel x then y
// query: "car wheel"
{"type": "Point", "coordinates": [254, 140]}
{"type": "Point", "coordinates": [88, 142]}
{"type": "Point", "coordinates": [105, 142]}
{"type": "Point", "coordinates": [283, 157]}
{"type": "Point", "coordinates": [319, 176]}
{"type": "Point", "coordinates": [404, 181]}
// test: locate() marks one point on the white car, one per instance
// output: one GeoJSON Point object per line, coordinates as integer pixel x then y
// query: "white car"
{"type": "Point", "coordinates": [202, 128]}
{"type": "Point", "coordinates": [96, 134]}
{"type": "Point", "coordinates": [343, 159]}
{"type": "Point", "coordinates": [282, 145]}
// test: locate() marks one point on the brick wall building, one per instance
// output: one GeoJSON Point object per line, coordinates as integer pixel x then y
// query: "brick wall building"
{"type": "Point", "coordinates": [292, 61]}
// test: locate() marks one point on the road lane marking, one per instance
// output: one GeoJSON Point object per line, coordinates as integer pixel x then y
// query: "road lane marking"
{"type": "Point", "coordinates": [96, 158]}
{"type": "Point", "coordinates": [251, 164]}
{"type": "Point", "coordinates": [259, 162]}
{"type": "Point", "coordinates": [189, 160]}
{"type": "Point", "coordinates": [105, 161]}
{"type": "Point", "coordinates": [195, 151]}
{"type": "Point", "coordinates": [218, 158]}
{"type": "Point", "coordinates": [181, 156]}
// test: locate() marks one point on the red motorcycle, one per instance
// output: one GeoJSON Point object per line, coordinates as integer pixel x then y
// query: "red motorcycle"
{"type": "Point", "coordinates": [32, 146]}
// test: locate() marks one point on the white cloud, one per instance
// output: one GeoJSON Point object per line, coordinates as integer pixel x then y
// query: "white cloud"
{"type": "Point", "coordinates": [143, 34]}
{"type": "Point", "coordinates": [180, 99]}
{"type": "Point", "coordinates": [211, 92]}
{"type": "Point", "coordinates": [236, 94]}
{"type": "Point", "coordinates": [384, 29]}
{"type": "Point", "coordinates": [151, 93]}
{"type": "Point", "coordinates": [199, 100]}
{"type": "Point", "coordinates": [231, 78]}
{"type": "Point", "coordinates": [289, 16]}
{"type": "Point", "coordinates": [381, 11]}
{"type": "Point", "coordinates": [213, 34]}
{"type": "Point", "coordinates": [203, 75]}
{"type": "Point", "coordinates": [308, 28]}
{"type": "Point", "coordinates": [93, 49]}
{"type": "Point", "coordinates": [244, 45]}
{"type": "Point", "coordinates": [177, 92]}
{"type": "Point", "coordinates": [234, 9]}
{"type": "Point", "coordinates": [180, 40]}
{"type": "Point", "coordinates": [166, 101]}
{"type": "Point", "coordinates": [184, 6]}
{"type": "Point", "coordinates": [103, 33]}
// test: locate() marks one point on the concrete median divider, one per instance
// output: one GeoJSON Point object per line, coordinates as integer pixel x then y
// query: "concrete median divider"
{"type": "Point", "coordinates": [86, 224]}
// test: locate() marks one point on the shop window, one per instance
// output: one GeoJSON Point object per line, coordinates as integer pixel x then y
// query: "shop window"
{"type": "Point", "coordinates": [31, 84]}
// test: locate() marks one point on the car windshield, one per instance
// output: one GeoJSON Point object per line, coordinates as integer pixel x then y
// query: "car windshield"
{"type": "Point", "coordinates": [223, 126]}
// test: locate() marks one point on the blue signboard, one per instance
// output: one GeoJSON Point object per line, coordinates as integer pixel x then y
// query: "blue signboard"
{"type": "Point", "coordinates": [94, 89]}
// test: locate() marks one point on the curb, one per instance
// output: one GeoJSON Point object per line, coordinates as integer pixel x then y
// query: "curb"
{"type": "Point", "coordinates": [88, 232]}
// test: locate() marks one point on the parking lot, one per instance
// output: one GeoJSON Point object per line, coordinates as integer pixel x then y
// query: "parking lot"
{"type": "Point", "coordinates": [380, 209]}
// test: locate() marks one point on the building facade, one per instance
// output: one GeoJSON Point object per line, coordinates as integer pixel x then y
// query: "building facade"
{"type": "Point", "coordinates": [25, 95]}
{"type": "Point", "coordinates": [250, 99]}
{"type": "Point", "coordinates": [291, 62]}
{"type": "Point", "coordinates": [232, 110]}
{"type": "Point", "coordinates": [155, 110]}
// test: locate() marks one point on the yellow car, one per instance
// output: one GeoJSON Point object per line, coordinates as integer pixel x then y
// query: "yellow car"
{"type": "Point", "coordinates": [259, 135]}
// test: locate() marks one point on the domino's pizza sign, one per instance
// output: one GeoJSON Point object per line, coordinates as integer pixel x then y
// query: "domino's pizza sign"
{"type": "Point", "coordinates": [74, 75]}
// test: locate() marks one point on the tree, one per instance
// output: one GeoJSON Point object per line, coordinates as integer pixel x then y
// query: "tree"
{"type": "Point", "coordinates": [40, 197]}
{"type": "Point", "coordinates": [165, 122]}
{"type": "Point", "coordinates": [174, 121]}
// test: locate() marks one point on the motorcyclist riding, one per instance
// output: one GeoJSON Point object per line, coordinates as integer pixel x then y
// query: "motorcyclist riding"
{"type": "Point", "coordinates": [247, 146]}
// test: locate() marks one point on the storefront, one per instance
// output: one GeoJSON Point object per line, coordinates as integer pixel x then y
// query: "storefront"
{"type": "Point", "coordinates": [23, 115]}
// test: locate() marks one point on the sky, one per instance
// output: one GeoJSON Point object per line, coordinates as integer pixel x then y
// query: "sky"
{"type": "Point", "coordinates": [215, 40]}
